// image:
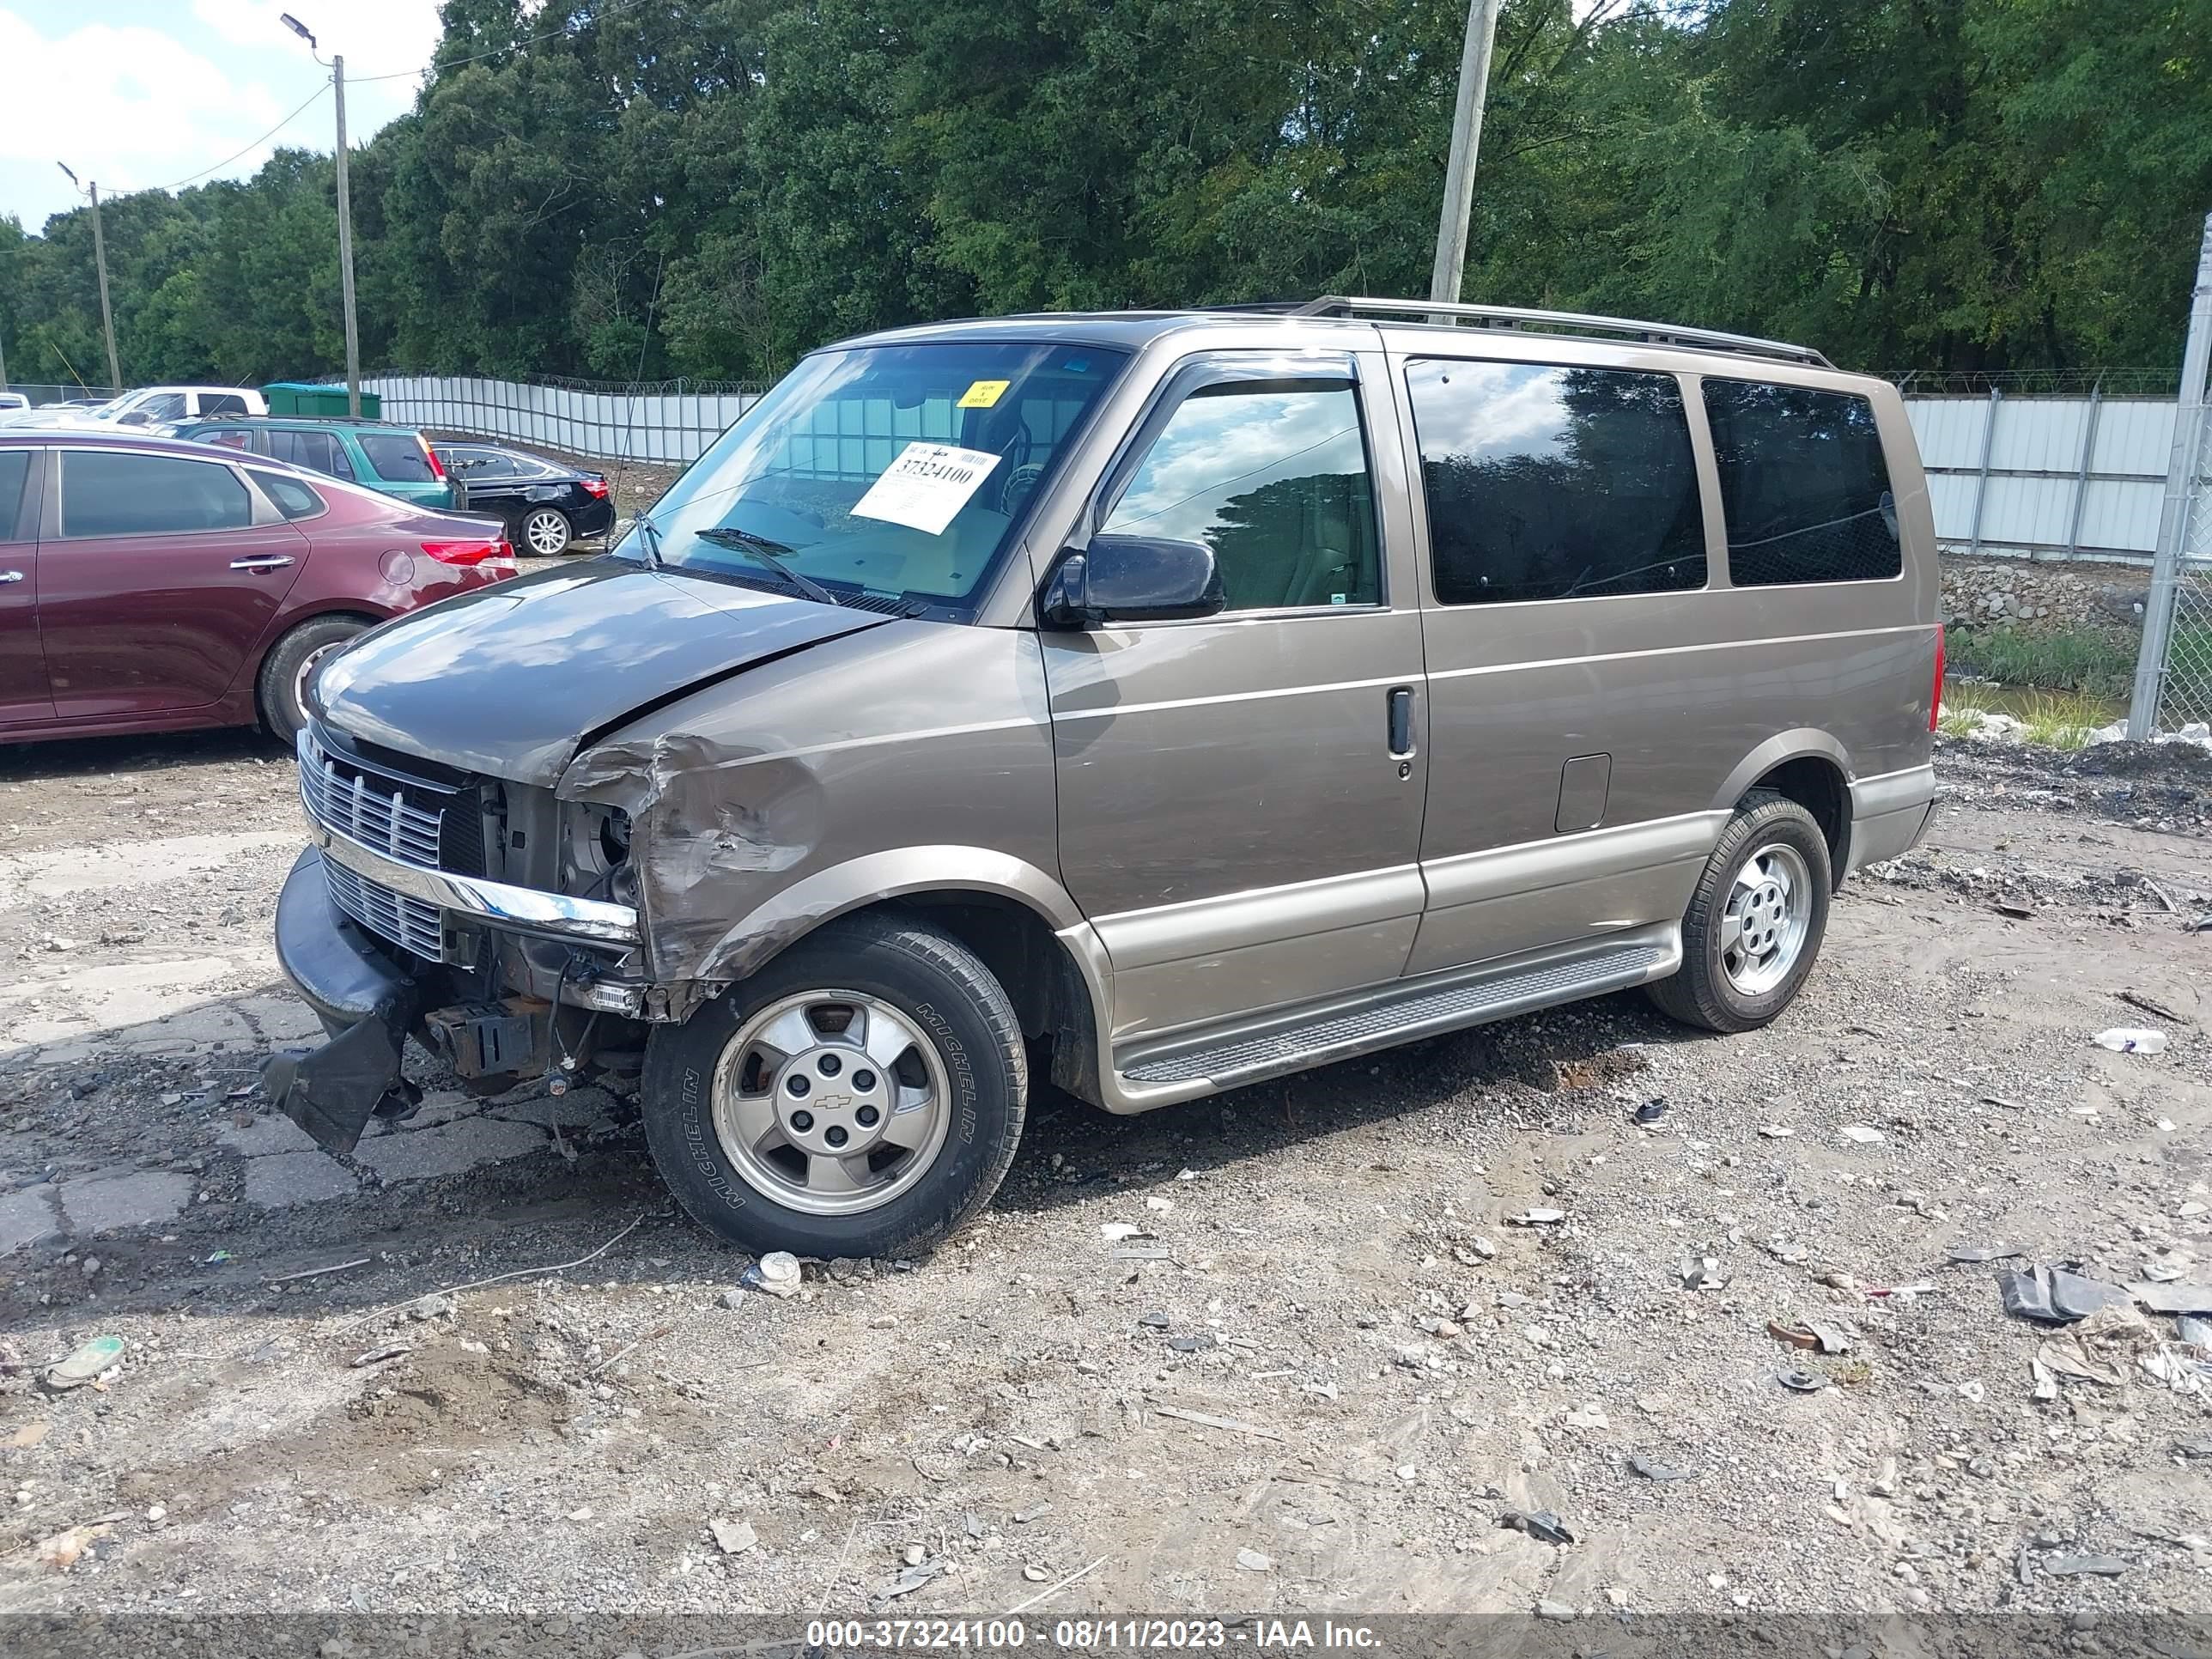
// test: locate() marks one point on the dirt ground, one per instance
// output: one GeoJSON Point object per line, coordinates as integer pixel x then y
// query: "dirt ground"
{"type": "Point", "coordinates": [1323, 1372]}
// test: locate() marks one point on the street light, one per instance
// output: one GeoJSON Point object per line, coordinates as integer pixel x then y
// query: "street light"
{"type": "Point", "coordinates": [336, 66]}
{"type": "Point", "coordinates": [99, 262]}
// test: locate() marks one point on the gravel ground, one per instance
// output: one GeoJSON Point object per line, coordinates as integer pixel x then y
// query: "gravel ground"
{"type": "Point", "coordinates": [1326, 1367]}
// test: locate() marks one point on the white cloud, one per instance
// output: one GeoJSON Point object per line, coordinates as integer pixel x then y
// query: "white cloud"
{"type": "Point", "coordinates": [170, 90]}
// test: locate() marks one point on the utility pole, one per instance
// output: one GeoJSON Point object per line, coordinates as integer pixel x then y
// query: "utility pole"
{"type": "Point", "coordinates": [345, 250]}
{"type": "Point", "coordinates": [345, 220]}
{"type": "Point", "coordinates": [99, 262]}
{"type": "Point", "coordinates": [1466, 139]}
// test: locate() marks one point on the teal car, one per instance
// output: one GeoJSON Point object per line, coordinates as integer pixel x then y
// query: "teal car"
{"type": "Point", "coordinates": [396, 460]}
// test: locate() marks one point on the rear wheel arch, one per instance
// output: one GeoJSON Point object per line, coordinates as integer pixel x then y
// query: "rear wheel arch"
{"type": "Point", "coordinates": [1809, 767]}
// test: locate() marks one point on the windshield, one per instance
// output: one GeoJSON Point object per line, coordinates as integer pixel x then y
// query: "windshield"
{"type": "Point", "coordinates": [888, 475]}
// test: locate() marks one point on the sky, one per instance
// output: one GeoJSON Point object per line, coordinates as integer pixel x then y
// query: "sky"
{"type": "Point", "coordinates": [136, 94]}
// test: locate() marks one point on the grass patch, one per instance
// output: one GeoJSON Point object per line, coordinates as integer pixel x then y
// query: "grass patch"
{"type": "Point", "coordinates": [2084, 661]}
{"type": "Point", "coordinates": [2054, 719]}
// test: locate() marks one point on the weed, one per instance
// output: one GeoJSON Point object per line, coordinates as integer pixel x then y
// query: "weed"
{"type": "Point", "coordinates": [2099, 663]}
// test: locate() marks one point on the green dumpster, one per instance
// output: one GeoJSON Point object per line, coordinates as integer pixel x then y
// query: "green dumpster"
{"type": "Point", "coordinates": [299, 398]}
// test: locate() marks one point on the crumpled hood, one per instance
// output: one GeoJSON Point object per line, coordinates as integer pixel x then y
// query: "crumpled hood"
{"type": "Point", "coordinates": [509, 679]}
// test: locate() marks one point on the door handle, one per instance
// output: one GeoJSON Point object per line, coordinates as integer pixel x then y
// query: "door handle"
{"type": "Point", "coordinates": [10, 575]}
{"type": "Point", "coordinates": [261, 562]}
{"type": "Point", "coordinates": [1400, 725]}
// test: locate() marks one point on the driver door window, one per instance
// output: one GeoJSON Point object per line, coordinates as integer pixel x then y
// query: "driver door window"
{"type": "Point", "coordinates": [1272, 476]}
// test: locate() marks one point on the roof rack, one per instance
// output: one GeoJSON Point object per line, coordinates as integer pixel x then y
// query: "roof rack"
{"type": "Point", "coordinates": [1521, 318]}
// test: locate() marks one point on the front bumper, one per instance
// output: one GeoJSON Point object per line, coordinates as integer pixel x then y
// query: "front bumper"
{"type": "Point", "coordinates": [493, 903]}
{"type": "Point", "coordinates": [367, 999]}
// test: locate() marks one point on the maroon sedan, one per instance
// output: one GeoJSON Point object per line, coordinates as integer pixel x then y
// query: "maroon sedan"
{"type": "Point", "coordinates": [152, 586]}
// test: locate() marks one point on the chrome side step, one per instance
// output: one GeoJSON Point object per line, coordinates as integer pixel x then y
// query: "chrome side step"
{"type": "Point", "coordinates": [1381, 1019]}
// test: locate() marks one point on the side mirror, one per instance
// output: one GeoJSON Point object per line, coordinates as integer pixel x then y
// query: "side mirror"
{"type": "Point", "coordinates": [1123, 579]}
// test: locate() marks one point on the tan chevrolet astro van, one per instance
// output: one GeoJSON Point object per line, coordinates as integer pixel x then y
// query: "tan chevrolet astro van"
{"type": "Point", "coordinates": [1154, 702]}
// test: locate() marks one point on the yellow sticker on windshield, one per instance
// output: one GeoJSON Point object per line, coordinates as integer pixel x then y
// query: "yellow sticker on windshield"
{"type": "Point", "coordinates": [982, 394]}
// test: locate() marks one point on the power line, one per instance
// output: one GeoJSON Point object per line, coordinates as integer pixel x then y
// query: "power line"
{"type": "Point", "coordinates": [263, 139]}
{"type": "Point", "coordinates": [402, 75]}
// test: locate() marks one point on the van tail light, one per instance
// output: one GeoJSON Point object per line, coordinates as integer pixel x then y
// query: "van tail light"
{"type": "Point", "coordinates": [596, 488]}
{"type": "Point", "coordinates": [437, 467]}
{"type": "Point", "coordinates": [1936, 696]}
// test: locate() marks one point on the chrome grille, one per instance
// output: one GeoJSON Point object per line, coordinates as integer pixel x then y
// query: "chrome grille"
{"type": "Point", "coordinates": [367, 807]}
{"type": "Point", "coordinates": [409, 923]}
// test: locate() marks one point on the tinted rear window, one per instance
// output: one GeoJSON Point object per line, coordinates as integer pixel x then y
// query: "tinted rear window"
{"type": "Point", "coordinates": [1549, 483]}
{"type": "Point", "coordinates": [293, 499]}
{"type": "Point", "coordinates": [221, 403]}
{"type": "Point", "coordinates": [124, 495]}
{"type": "Point", "coordinates": [15, 467]}
{"type": "Point", "coordinates": [396, 459]}
{"type": "Point", "coordinates": [1803, 485]}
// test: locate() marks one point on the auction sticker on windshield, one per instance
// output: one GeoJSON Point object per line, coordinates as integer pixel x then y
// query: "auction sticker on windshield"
{"type": "Point", "coordinates": [926, 486]}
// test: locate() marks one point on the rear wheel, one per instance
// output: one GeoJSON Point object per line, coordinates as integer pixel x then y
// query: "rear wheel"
{"type": "Point", "coordinates": [291, 664]}
{"type": "Point", "coordinates": [862, 1095]}
{"type": "Point", "coordinates": [1755, 921]}
{"type": "Point", "coordinates": [546, 532]}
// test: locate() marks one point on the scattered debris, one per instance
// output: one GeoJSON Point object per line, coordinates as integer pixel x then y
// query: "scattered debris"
{"type": "Point", "coordinates": [2132, 1040]}
{"type": "Point", "coordinates": [62, 1549]}
{"type": "Point", "coordinates": [317, 1273]}
{"type": "Point", "coordinates": [2172, 1297]}
{"type": "Point", "coordinates": [2054, 1296]}
{"type": "Point", "coordinates": [1115, 1231]}
{"type": "Point", "coordinates": [1547, 1608]}
{"type": "Point", "coordinates": [1776, 1131]}
{"type": "Point", "coordinates": [1651, 1470]}
{"type": "Point", "coordinates": [1864, 1134]}
{"type": "Point", "coordinates": [1253, 1561]}
{"type": "Point", "coordinates": [2066, 1358]}
{"type": "Point", "coordinates": [1144, 1253]}
{"type": "Point", "coordinates": [2076, 1566]}
{"type": "Point", "coordinates": [1042, 1594]}
{"type": "Point", "coordinates": [1700, 1270]}
{"type": "Point", "coordinates": [2014, 912]}
{"type": "Point", "coordinates": [776, 1273]}
{"type": "Point", "coordinates": [1650, 1111]}
{"type": "Point", "coordinates": [88, 1362]}
{"type": "Point", "coordinates": [378, 1355]}
{"type": "Point", "coordinates": [1540, 1524]}
{"type": "Point", "coordinates": [1824, 1339]}
{"type": "Point", "coordinates": [733, 1537]}
{"type": "Point", "coordinates": [1972, 1253]}
{"type": "Point", "coordinates": [29, 1435]}
{"type": "Point", "coordinates": [1536, 1219]}
{"type": "Point", "coordinates": [1035, 1512]}
{"type": "Point", "coordinates": [2152, 1005]}
{"type": "Point", "coordinates": [1803, 1382]}
{"type": "Point", "coordinates": [1208, 1420]}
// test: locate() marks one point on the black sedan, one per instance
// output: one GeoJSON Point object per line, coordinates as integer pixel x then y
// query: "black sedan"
{"type": "Point", "coordinates": [546, 505]}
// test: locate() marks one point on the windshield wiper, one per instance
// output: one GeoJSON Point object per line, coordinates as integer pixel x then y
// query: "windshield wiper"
{"type": "Point", "coordinates": [650, 540]}
{"type": "Point", "coordinates": [760, 548]}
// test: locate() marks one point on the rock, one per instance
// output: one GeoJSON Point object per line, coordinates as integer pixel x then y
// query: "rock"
{"type": "Point", "coordinates": [1548, 1608]}
{"type": "Point", "coordinates": [733, 1299]}
{"type": "Point", "coordinates": [733, 1537]}
{"type": "Point", "coordinates": [915, 1555]}
{"type": "Point", "coordinates": [1253, 1561]}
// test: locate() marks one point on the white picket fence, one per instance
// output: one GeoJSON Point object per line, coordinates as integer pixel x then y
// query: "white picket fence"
{"type": "Point", "coordinates": [2026, 476]}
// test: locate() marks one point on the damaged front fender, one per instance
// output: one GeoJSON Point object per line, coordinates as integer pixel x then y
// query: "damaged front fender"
{"type": "Point", "coordinates": [806, 788]}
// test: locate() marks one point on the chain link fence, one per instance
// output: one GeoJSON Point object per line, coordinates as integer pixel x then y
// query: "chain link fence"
{"type": "Point", "coordinates": [2173, 667]}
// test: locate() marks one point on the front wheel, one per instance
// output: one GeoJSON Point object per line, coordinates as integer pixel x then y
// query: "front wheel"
{"type": "Point", "coordinates": [546, 532]}
{"type": "Point", "coordinates": [860, 1095]}
{"type": "Point", "coordinates": [1755, 921]}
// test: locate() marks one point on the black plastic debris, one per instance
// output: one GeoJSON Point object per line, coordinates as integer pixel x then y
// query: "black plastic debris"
{"type": "Point", "coordinates": [1803, 1382]}
{"type": "Point", "coordinates": [2054, 1296]}
{"type": "Point", "coordinates": [1651, 1110]}
{"type": "Point", "coordinates": [1198, 1343]}
{"type": "Point", "coordinates": [1153, 1321]}
{"type": "Point", "coordinates": [1540, 1524]}
{"type": "Point", "coordinates": [1651, 1469]}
